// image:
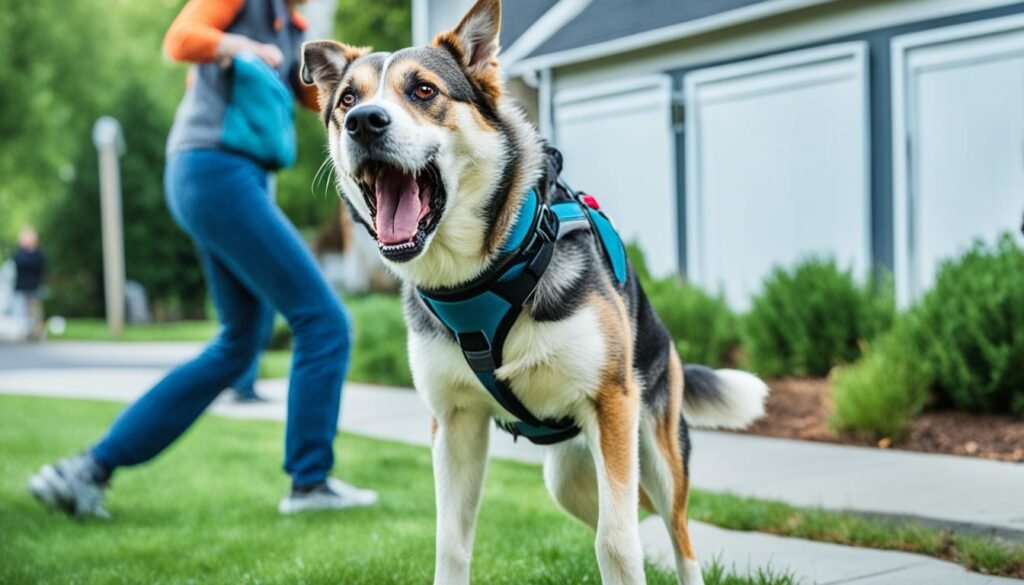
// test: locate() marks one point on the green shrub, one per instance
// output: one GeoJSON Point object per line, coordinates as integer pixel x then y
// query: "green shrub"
{"type": "Point", "coordinates": [704, 329]}
{"type": "Point", "coordinates": [880, 394]}
{"type": "Point", "coordinates": [379, 354]}
{"type": "Point", "coordinates": [961, 346]}
{"type": "Point", "coordinates": [969, 330]}
{"type": "Point", "coordinates": [812, 318]}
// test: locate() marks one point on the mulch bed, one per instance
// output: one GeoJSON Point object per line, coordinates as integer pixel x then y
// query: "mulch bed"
{"type": "Point", "coordinates": [799, 409]}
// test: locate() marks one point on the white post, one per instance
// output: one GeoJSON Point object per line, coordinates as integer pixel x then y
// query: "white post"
{"type": "Point", "coordinates": [545, 103]}
{"type": "Point", "coordinates": [320, 15]}
{"type": "Point", "coordinates": [107, 137]}
{"type": "Point", "coordinates": [420, 22]}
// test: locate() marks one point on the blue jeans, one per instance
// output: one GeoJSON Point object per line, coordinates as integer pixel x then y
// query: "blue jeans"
{"type": "Point", "coordinates": [245, 386]}
{"type": "Point", "coordinates": [254, 258]}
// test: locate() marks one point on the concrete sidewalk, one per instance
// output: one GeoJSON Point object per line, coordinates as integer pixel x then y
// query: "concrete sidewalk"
{"type": "Point", "coordinates": [944, 488]}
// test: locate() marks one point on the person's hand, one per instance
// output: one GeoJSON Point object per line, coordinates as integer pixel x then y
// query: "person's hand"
{"type": "Point", "coordinates": [232, 44]}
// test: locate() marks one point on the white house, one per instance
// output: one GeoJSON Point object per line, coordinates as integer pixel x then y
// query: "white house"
{"type": "Point", "coordinates": [731, 136]}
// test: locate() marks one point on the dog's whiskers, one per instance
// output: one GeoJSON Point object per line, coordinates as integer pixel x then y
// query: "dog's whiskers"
{"type": "Point", "coordinates": [316, 177]}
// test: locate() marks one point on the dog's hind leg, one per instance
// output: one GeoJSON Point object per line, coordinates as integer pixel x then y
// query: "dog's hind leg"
{"type": "Point", "coordinates": [572, 480]}
{"type": "Point", "coordinates": [460, 459]}
{"type": "Point", "coordinates": [664, 474]}
{"type": "Point", "coordinates": [614, 444]}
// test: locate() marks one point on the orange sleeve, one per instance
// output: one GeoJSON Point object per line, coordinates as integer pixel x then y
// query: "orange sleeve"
{"type": "Point", "coordinates": [299, 21]}
{"type": "Point", "coordinates": [197, 31]}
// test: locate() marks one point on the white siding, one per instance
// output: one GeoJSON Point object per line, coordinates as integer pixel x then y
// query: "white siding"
{"type": "Point", "coordinates": [619, 146]}
{"type": "Point", "coordinates": [777, 167]}
{"type": "Point", "coordinates": [959, 108]}
{"type": "Point", "coordinates": [444, 15]}
{"type": "Point", "coordinates": [814, 25]}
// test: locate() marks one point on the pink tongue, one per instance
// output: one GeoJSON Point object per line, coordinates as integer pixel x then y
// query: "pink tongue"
{"type": "Point", "coordinates": [398, 208]}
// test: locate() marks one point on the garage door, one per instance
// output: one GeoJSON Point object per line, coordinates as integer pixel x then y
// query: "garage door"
{"type": "Point", "coordinates": [619, 145]}
{"type": "Point", "coordinates": [959, 128]}
{"type": "Point", "coordinates": [777, 167]}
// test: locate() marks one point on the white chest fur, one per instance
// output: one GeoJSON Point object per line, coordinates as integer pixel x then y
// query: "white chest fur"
{"type": "Point", "coordinates": [552, 367]}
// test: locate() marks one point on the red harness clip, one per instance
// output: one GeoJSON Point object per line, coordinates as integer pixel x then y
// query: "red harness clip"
{"type": "Point", "coordinates": [590, 201]}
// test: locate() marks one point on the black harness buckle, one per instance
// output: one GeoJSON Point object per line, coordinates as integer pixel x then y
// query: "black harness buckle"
{"type": "Point", "coordinates": [477, 350]}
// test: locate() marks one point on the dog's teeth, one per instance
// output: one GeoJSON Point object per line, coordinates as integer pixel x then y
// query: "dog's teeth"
{"type": "Point", "coordinates": [395, 247]}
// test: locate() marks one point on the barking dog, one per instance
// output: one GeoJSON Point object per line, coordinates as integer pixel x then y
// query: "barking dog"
{"type": "Point", "coordinates": [444, 172]}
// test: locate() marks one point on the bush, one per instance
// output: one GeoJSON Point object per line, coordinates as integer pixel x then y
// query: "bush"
{"type": "Point", "coordinates": [812, 318]}
{"type": "Point", "coordinates": [879, 395]}
{"type": "Point", "coordinates": [961, 346]}
{"type": "Point", "coordinates": [969, 330]}
{"type": "Point", "coordinates": [379, 355]}
{"type": "Point", "coordinates": [704, 329]}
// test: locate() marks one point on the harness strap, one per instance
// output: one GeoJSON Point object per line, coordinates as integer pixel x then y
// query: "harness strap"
{"type": "Point", "coordinates": [481, 315]}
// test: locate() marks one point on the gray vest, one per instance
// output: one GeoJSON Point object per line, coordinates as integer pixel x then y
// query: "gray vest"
{"type": "Point", "coordinates": [198, 123]}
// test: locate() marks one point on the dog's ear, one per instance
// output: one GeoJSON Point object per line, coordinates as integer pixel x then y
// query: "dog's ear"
{"type": "Point", "coordinates": [324, 64]}
{"type": "Point", "coordinates": [474, 43]}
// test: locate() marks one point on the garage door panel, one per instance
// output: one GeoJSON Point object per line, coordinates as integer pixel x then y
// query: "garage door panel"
{"type": "Point", "coordinates": [776, 174]}
{"type": "Point", "coordinates": [619, 145]}
{"type": "Point", "coordinates": [959, 101]}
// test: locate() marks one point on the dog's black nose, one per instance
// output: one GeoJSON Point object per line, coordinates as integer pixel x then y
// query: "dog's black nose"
{"type": "Point", "coordinates": [367, 123]}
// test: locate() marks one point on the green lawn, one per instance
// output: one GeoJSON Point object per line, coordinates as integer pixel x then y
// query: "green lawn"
{"type": "Point", "coordinates": [205, 512]}
{"type": "Point", "coordinates": [378, 354]}
{"type": "Point", "coordinates": [379, 357]}
{"type": "Point", "coordinates": [96, 330]}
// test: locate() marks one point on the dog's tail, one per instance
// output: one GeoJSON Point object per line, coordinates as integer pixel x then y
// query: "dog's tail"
{"type": "Point", "coordinates": [722, 399]}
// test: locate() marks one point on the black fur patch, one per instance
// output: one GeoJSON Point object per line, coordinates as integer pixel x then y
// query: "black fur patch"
{"type": "Point", "coordinates": [574, 249]}
{"type": "Point", "coordinates": [419, 318]}
{"type": "Point", "coordinates": [701, 386]}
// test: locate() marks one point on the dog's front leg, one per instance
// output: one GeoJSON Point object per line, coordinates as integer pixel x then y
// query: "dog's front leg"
{"type": "Point", "coordinates": [460, 458]}
{"type": "Point", "coordinates": [613, 437]}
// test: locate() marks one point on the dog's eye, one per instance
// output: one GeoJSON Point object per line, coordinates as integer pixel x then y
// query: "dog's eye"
{"type": "Point", "coordinates": [348, 98]}
{"type": "Point", "coordinates": [424, 92]}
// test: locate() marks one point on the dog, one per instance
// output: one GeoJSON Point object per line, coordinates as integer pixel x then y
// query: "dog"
{"type": "Point", "coordinates": [437, 163]}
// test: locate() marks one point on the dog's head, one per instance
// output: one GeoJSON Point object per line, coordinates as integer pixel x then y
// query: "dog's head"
{"type": "Point", "coordinates": [422, 141]}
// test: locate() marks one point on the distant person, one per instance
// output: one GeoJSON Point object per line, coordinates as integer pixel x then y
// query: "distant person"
{"type": "Point", "coordinates": [216, 185]}
{"type": "Point", "coordinates": [30, 270]}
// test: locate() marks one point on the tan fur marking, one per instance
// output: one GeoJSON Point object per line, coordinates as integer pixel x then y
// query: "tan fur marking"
{"type": "Point", "coordinates": [481, 121]}
{"type": "Point", "coordinates": [617, 410]}
{"type": "Point", "coordinates": [430, 112]}
{"type": "Point", "coordinates": [349, 53]}
{"type": "Point", "coordinates": [618, 398]}
{"type": "Point", "coordinates": [645, 501]}
{"type": "Point", "coordinates": [506, 217]}
{"type": "Point", "coordinates": [667, 433]}
{"type": "Point", "coordinates": [364, 80]}
{"type": "Point", "coordinates": [485, 74]}
{"type": "Point", "coordinates": [433, 429]}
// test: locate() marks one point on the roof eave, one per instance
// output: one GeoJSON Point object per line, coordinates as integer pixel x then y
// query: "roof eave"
{"type": "Point", "coordinates": [643, 40]}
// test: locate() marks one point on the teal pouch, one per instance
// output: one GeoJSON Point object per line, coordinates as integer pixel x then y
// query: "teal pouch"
{"type": "Point", "coordinates": [259, 120]}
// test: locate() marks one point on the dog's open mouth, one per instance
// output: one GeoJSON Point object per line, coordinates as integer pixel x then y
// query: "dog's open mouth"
{"type": "Point", "coordinates": [406, 207]}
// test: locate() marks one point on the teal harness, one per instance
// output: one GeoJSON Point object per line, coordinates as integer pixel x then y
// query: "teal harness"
{"type": "Point", "coordinates": [481, 314]}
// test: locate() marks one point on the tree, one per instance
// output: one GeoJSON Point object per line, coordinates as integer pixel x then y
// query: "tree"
{"type": "Point", "coordinates": [157, 253]}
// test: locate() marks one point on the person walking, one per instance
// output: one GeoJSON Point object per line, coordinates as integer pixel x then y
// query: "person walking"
{"type": "Point", "coordinates": [243, 390]}
{"type": "Point", "coordinates": [216, 183]}
{"type": "Point", "coordinates": [30, 269]}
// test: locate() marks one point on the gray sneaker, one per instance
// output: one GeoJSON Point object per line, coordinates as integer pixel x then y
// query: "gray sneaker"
{"type": "Point", "coordinates": [333, 494]}
{"type": "Point", "coordinates": [70, 486]}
